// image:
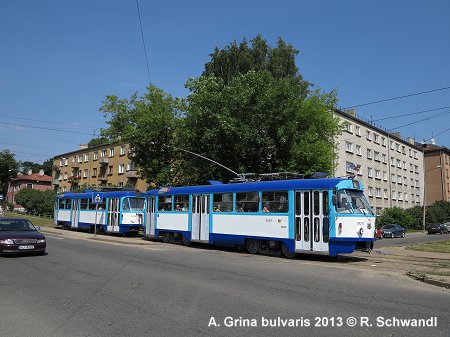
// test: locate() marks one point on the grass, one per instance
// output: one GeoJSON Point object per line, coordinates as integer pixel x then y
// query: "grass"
{"type": "Point", "coordinates": [437, 247]}
{"type": "Point", "coordinates": [36, 220]}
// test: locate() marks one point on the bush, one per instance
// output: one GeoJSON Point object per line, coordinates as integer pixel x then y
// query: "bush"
{"type": "Point", "coordinates": [34, 201]}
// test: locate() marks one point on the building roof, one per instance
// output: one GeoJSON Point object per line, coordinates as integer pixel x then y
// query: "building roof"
{"type": "Point", "coordinates": [435, 148]}
{"type": "Point", "coordinates": [33, 177]}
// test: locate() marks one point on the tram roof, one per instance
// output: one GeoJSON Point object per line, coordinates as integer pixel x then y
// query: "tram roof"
{"type": "Point", "coordinates": [300, 184]}
{"type": "Point", "coordinates": [106, 194]}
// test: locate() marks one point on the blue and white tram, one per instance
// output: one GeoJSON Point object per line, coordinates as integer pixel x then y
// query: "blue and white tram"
{"type": "Point", "coordinates": [329, 216]}
{"type": "Point", "coordinates": [119, 211]}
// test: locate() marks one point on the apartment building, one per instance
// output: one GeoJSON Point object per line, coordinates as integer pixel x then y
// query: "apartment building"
{"type": "Point", "coordinates": [437, 167]}
{"type": "Point", "coordinates": [390, 168]}
{"type": "Point", "coordinates": [109, 165]}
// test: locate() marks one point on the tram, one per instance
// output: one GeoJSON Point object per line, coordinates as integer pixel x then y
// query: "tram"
{"type": "Point", "coordinates": [116, 211]}
{"type": "Point", "coordinates": [324, 216]}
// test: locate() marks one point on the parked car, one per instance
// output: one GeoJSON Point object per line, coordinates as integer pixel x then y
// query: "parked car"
{"type": "Point", "coordinates": [447, 224]}
{"type": "Point", "coordinates": [378, 233]}
{"type": "Point", "coordinates": [393, 230]}
{"type": "Point", "coordinates": [19, 235]}
{"type": "Point", "coordinates": [435, 228]}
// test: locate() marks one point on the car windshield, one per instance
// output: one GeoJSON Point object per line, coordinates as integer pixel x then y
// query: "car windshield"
{"type": "Point", "coordinates": [388, 227]}
{"type": "Point", "coordinates": [353, 201]}
{"type": "Point", "coordinates": [133, 204]}
{"type": "Point", "coordinates": [16, 225]}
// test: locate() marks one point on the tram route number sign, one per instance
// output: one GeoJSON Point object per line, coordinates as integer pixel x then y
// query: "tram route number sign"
{"type": "Point", "coordinates": [97, 197]}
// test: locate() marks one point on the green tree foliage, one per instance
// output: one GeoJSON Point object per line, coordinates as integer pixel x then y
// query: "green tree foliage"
{"type": "Point", "coordinates": [27, 166]}
{"type": "Point", "coordinates": [252, 111]}
{"type": "Point", "coordinates": [416, 215]}
{"type": "Point", "coordinates": [395, 215]}
{"type": "Point", "coordinates": [98, 141]}
{"type": "Point", "coordinates": [47, 166]}
{"type": "Point", "coordinates": [8, 169]}
{"type": "Point", "coordinates": [150, 124]}
{"type": "Point", "coordinates": [34, 201]}
{"type": "Point", "coordinates": [438, 212]}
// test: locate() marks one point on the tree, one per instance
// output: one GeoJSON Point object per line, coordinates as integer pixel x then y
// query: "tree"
{"type": "Point", "coordinates": [150, 123]}
{"type": "Point", "coordinates": [98, 141]}
{"type": "Point", "coordinates": [8, 169]}
{"type": "Point", "coordinates": [395, 215]}
{"type": "Point", "coordinates": [416, 216]}
{"type": "Point", "coordinates": [47, 166]}
{"type": "Point", "coordinates": [27, 166]}
{"type": "Point", "coordinates": [36, 201]}
{"type": "Point", "coordinates": [438, 212]}
{"type": "Point", "coordinates": [252, 111]}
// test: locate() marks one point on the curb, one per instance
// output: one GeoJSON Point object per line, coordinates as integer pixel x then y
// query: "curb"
{"type": "Point", "coordinates": [425, 279]}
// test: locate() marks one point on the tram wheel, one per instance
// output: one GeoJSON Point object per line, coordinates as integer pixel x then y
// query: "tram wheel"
{"type": "Point", "coordinates": [253, 246]}
{"type": "Point", "coordinates": [186, 241]}
{"type": "Point", "coordinates": [286, 252]}
{"type": "Point", "coordinates": [166, 237]}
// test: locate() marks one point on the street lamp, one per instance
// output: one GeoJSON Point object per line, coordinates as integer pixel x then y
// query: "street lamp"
{"type": "Point", "coordinates": [425, 195]}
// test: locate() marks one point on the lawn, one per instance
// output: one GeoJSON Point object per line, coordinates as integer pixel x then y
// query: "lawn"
{"type": "Point", "coordinates": [438, 247]}
{"type": "Point", "coordinates": [37, 221]}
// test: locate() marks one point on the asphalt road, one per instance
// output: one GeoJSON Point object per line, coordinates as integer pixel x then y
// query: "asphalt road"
{"type": "Point", "coordinates": [410, 239]}
{"type": "Point", "coordinates": [88, 288]}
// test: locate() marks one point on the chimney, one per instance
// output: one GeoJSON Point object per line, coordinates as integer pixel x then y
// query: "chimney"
{"type": "Point", "coordinates": [410, 141]}
{"type": "Point", "coordinates": [396, 134]}
{"type": "Point", "coordinates": [83, 146]}
{"type": "Point", "coordinates": [41, 172]}
{"type": "Point", "coordinates": [351, 112]}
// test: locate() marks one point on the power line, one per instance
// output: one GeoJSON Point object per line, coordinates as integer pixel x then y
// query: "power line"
{"type": "Point", "coordinates": [410, 114]}
{"type": "Point", "coordinates": [33, 147]}
{"type": "Point", "coordinates": [44, 121]}
{"type": "Point", "coordinates": [395, 98]}
{"type": "Point", "coordinates": [44, 128]}
{"type": "Point", "coordinates": [143, 42]}
{"type": "Point", "coordinates": [421, 120]}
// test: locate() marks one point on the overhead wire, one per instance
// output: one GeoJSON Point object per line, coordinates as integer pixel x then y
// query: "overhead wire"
{"type": "Point", "coordinates": [143, 41]}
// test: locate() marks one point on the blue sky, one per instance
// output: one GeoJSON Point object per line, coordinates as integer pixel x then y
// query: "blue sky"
{"type": "Point", "coordinates": [59, 59]}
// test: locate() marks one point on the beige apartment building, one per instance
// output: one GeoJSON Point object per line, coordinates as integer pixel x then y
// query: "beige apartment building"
{"type": "Point", "coordinates": [437, 167]}
{"type": "Point", "coordinates": [390, 167]}
{"type": "Point", "coordinates": [109, 165]}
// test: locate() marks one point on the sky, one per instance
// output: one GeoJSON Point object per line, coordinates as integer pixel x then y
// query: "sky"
{"type": "Point", "coordinates": [60, 59]}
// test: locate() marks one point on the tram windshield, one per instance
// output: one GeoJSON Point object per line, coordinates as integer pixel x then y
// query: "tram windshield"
{"type": "Point", "coordinates": [353, 201]}
{"type": "Point", "coordinates": [133, 204]}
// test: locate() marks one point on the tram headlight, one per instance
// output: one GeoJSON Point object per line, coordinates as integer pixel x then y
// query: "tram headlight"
{"type": "Point", "coordinates": [361, 231]}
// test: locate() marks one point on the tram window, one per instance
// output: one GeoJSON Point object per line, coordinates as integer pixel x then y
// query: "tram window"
{"type": "Point", "coordinates": [325, 203]}
{"type": "Point", "coordinates": [343, 205]}
{"type": "Point", "coordinates": [92, 206]}
{"type": "Point", "coordinates": [306, 203]}
{"type": "Point", "coordinates": [316, 203]}
{"type": "Point", "coordinates": [247, 202]}
{"type": "Point", "coordinates": [67, 204]}
{"type": "Point", "coordinates": [194, 204]}
{"type": "Point", "coordinates": [298, 228]}
{"type": "Point", "coordinates": [275, 201]}
{"type": "Point", "coordinates": [61, 203]}
{"type": "Point", "coordinates": [134, 204]}
{"type": "Point", "coordinates": [326, 230]}
{"type": "Point", "coordinates": [223, 202]}
{"type": "Point", "coordinates": [84, 203]}
{"type": "Point", "coordinates": [298, 203]}
{"type": "Point", "coordinates": [165, 203]}
{"type": "Point", "coordinates": [306, 229]}
{"type": "Point", "coordinates": [181, 202]}
{"type": "Point", "coordinates": [316, 229]}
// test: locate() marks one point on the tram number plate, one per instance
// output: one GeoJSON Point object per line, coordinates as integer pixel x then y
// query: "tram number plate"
{"type": "Point", "coordinates": [26, 247]}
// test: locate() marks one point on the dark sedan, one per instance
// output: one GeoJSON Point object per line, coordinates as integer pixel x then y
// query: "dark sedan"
{"type": "Point", "coordinates": [20, 236]}
{"type": "Point", "coordinates": [435, 228]}
{"type": "Point", "coordinates": [392, 231]}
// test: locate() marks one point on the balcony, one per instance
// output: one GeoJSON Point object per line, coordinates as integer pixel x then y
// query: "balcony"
{"type": "Point", "coordinates": [103, 160]}
{"type": "Point", "coordinates": [131, 174]}
{"type": "Point", "coordinates": [75, 165]}
{"type": "Point", "coordinates": [102, 178]}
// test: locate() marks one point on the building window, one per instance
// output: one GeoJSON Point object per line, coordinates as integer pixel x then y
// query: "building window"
{"type": "Point", "coordinates": [385, 176]}
{"type": "Point", "coordinates": [123, 150]}
{"type": "Point", "coordinates": [66, 162]}
{"type": "Point", "coordinates": [417, 183]}
{"type": "Point", "coordinates": [110, 170]}
{"type": "Point", "coordinates": [399, 163]}
{"type": "Point", "coordinates": [86, 157]}
{"type": "Point", "coordinates": [370, 172]}
{"type": "Point", "coordinates": [80, 158]}
{"type": "Point", "coordinates": [121, 168]}
{"type": "Point", "coordinates": [415, 154]}
{"type": "Point", "coordinates": [73, 159]}
{"type": "Point", "coordinates": [376, 138]}
{"type": "Point", "coordinates": [392, 145]}
{"type": "Point", "coordinates": [397, 147]}
{"type": "Point", "coordinates": [131, 166]}
{"type": "Point", "coordinates": [29, 185]}
{"type": "Point", "coordinates": [418, 198]}
{"type": "Point", "coordinates": [358, 130]}
{"type": "Point", "coordinates": [358, 150]}
{"type": "Point", "coordinates": [383, 141]}
{"type": "Point", "coordinates": [368, 135]}
{"type": "Point", "coordinates": [349, 147]}
{"type": "Point", "coordinates": [370, 191]}
{"type": "Point", "coordinates": [384, 158]}
{"type": "Point", "coordinates": [412, 182]}
{"type": "Point", "coordinates": [386, 194]}
{"type": "Point", "coordinates": [377, 174]}
{"type": "Point", "coordinates": [65, 176]}
{"type": "Point", "coordinates": [403, 149]}
{"type": "Point", "coordinates": [393, 176]}
{"type": "Point", "coordinates": [392, 161]}
{"type": "Point", "coordinates": [406, 197]}
{"type": "Point", "coordinates": [94, 172]}
{"type": "Point", "coordinates": [376, 155]}
{"type": "Point", "coordinates": [85, 173]}
{"type": "Point", "coordinates": [405, 181]}
{"type": "Point", "coordinates": [103, 153]}
{"type": "Point", "coordinates": [111, 152]}
{"type": "Point", "coordinates": [411, 167]}
{"type": "Point", "coordinates": [369, 154]}
{"type": "Point", "coordinates": [404, 165]}
{"type": "Point", "coordinates": [378, 192]}
{"type": "Point", "coordinates": [95, 155]}
{"type": "Point", "coordinates": [416, 168]}
{"type": "Point", "coordinates": [394, 195]}
{"type": "Point", "coordinates": [349, 127]}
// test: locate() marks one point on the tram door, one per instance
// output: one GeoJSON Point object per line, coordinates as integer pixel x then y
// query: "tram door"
{"type": "Point", "coordinates": [113, 215]}
{"type": "Point", "coordinates": [75, 213]}
{"type": "Point", "coordinates": [311, 221]}
{"type": "Point", "coordinates": [200, 218]}
{"type": "Point", "coordinates": [150, 217]}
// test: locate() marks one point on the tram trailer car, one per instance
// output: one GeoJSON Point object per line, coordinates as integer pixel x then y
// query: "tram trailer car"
{"type": "Point", "coordinates": [326, 216]}
{"type": "Point", "coordinates": [119, 212]}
